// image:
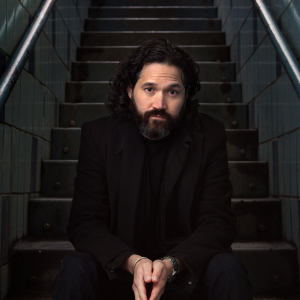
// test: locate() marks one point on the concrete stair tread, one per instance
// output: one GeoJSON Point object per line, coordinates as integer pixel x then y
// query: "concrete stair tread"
{"type": "Point", "coordinates": [104, 70]}
{"type": "Point", "coordinates": [97, 3]}
{"type": "Point", "coordinates": [152, 6]}
{"type": "Point", "coordinates": [152, 19]}
{"type": "Point", "coordinates": [255, 246]}
{"type": "Point", "coordinates": [112, 53]}
{"type": "Point", "coordinates": [227, 130]}
{"type": "Point", "coordinates": [133, 47]}
{"type": "Point", "coordinates": [48, 296]}
{"type": "Point", "coordinates": [152, 31]}
{"type": "Point", "coordinates": [30, 244]}
{"type": "Point", "coordinates": [267, 199]}
{"type": "Point", "coordinates": [62, 161]}
{"type": "Point", "coordinates": [112, 24]}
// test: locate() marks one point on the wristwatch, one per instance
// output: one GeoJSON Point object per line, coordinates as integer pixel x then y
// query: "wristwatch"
{"type": "Point", "coordinates": [175, 267]}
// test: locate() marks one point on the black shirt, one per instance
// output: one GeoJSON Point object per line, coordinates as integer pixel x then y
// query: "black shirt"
{"type": "Point", "coordinates": [147, 241]}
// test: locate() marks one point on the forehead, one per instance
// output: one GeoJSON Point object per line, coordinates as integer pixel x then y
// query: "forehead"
{"type": "Point", "coordinates": [160, 73]}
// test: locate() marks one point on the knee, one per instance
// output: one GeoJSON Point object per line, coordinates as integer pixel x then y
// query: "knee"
{"type": "Point", "coordinates": [78, 263]}
{"type": "Point", "coordinates": [226, 263]}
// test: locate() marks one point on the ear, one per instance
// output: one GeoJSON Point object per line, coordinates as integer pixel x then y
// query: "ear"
{"type": "Point", "coordinates": [129, 92]}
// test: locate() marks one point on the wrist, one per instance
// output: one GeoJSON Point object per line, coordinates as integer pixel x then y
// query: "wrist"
{"type": "Point", "coordinates": [169, 266]}
{"type": "Point", "coordinates": [128, 262]}
{"type": "Point", "coordinates": [174, 267]}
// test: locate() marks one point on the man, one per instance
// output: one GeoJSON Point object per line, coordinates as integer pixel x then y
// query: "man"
{"type": "Point", "coordinates": [152, 192]}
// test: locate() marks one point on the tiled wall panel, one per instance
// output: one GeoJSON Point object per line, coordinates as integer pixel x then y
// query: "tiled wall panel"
{"type": "Point", "coordinates": [32, 109]}
{"type": "Point", "coordinates": [273, 103]}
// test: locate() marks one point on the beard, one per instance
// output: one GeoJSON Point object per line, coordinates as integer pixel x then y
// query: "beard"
{"type": "Point", "coordinates": [155, 129]}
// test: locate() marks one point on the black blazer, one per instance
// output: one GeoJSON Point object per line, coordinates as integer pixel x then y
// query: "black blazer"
{"type": "Point", "coordinates": [195, 193]}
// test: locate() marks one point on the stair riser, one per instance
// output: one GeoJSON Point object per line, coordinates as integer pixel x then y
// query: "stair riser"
{"type": "Point", "coordinates": [98, 71]}
{"type": "Point", "coordinates": [159, 24]}
{"type": "Point", "coordinates": [256, 220]}
{"type": "Point", "coordinates": [152, 3]}
{"type": "Point", "coordinates": [44, 267]}
{"type": "Point", "coordinates": [233, 116]}
{"type": "Point", "coordinates": [95, 92]}
{"type": "Point", "coordinates": [204, 53]}
{"type": "Point", "coordinates": [242, 176]}
{"type": "Point", "coordinates": [249, 180]}
{"type": "Point", "coordinates": [262, 266]}
{"type": "Point", "coordinates": [48, 218]}
{"type": "Point", "coordinates": [131, 39]}
{"type": "Point", "coordinates": [158, 12]}
{"type": "Point", "coordinates": [78, 114]}
{"type": "Point", "coordinates": [241, 146]}
{"type": "Point", "coordinates": [35, 271]}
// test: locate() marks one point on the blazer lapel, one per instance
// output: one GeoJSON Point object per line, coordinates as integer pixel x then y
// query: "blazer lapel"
{"type": "Point", "coordinates": [177, 157]}
{"type": "Point", "coordinates": [133, 154]}
{"type": "Point", "coordinates": [186, 152]}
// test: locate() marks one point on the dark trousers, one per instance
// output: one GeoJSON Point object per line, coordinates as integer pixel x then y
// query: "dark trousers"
{"type": "Point", "coordinates": [82, 277]}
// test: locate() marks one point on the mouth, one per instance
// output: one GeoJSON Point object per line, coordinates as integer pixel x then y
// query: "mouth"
{"type": "Point", "coordinates": [157, 117]}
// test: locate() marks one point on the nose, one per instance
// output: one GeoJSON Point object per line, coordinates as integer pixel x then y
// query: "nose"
{"type": "Point", "coordinates": [159, 101]}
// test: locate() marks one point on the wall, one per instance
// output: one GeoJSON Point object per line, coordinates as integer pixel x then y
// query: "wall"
{"type": "Point", "coordinates": [274, 105]}
{"type": "Point", "coordinates": [31, 110]}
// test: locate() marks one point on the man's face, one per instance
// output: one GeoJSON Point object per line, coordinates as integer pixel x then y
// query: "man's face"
{"type": "Point", "coordinates": [158, 98]}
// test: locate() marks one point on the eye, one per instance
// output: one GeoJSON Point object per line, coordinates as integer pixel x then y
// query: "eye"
{"type": "Point", "coordinates": [173, 92]}
{"type": "Point", "coordinates": [149, 89]}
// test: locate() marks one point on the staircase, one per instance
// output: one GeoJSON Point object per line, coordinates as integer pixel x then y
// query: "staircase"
{"type": "Point", "coordinates": [110, 33]}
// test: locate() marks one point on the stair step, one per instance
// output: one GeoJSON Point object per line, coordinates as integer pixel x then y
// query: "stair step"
{"type": "Point", "coordinates": [39, 262]}
{"type": "Point", "coordinates": [125, 38]}
{"type": "Point", "coordinates": [127, 24]}
{"type": "Point", "coordinates": [241, 144]}
{"type": "Point", "coordinates": [250, 179]}
{"type": "Point", "coordinates": [234, 116]}
{"type": "Point", "coordinates": [95, 92]}
{"type": "Point", "coordinates": [153, 12]}
{"type": "Point", "coordinates": [48, 217]}
{"type": "Point", "coordinates": [30, 296]}
{"type": "Point", "coordinates": [115, 53]}
{"type": "Point", "coordinates": [272, 267]}
{"type": "Point", "coordinates": [152, 2]}
{"type": "Point", "coordinates": [103, 71]}
{"type": "Point", "coordinates": [48, 296]}
{"type": "Point", "coordinates": [257, 219]}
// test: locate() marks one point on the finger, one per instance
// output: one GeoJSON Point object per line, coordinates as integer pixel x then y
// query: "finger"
{"type": "Point", "coordinates": [158, 270]}
{"type": "Point", "coordinates": [147, 271]}
{"type": "Point", "coordinates": [136, 294]}
{"type": "Point", "coordinates": [140, 284]}
{"type": "Point", "coordinates": [157, 290]}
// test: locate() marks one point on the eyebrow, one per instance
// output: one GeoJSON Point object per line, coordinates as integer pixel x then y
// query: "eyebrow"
{"type": "Point", "coordinates": [173, 85]}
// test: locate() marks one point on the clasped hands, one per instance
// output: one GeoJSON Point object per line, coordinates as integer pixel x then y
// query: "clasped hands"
{"type": "Point", "coordinates": [149, 278]}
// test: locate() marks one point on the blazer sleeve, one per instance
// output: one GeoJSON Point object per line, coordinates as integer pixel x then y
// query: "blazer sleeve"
{"type": "Point", "coordinates": [214, 222]}
{"type": "Point", "coordinates": [88, 227]}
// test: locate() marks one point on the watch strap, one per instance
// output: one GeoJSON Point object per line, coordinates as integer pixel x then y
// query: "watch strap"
{"type": "Point", "coordinates": [175, 270]}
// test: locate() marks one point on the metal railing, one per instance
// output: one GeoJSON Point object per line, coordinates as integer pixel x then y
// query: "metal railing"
{"type": "Point", "coordinates": [22, 53]}
{"type": "Point", "coordinates": [285, 54]}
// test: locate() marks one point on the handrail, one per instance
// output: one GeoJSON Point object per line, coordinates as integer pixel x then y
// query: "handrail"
{"type": "Point", "coordinates": [22, 53]}
{"type": "Point", "coordinates": [285, 53]}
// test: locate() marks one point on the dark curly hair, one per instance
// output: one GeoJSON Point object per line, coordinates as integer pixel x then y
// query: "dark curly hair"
{"type": "Point", "coordinates": [129, 69]}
